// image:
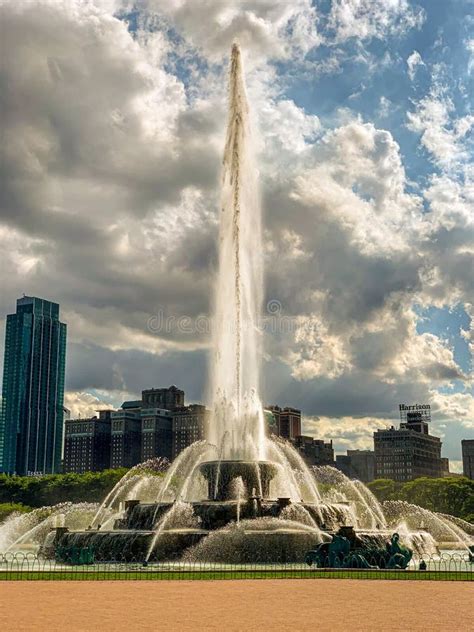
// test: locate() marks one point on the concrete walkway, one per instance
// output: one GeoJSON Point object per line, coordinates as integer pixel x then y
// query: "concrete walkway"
{"type": "Point", "coordinates": [228, 606]}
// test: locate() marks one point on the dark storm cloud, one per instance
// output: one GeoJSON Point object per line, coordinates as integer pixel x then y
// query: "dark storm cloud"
{"type": "Point", "coordinates": [357, 284]}
{"type": "Point", "coordinates": [69, 107]}
{"type": "Point", "coordinates": [84, 162]}
{"type": "Point", "coordinates": [93, 367]}
{"type": "Point", "coordinates": [355, 395]}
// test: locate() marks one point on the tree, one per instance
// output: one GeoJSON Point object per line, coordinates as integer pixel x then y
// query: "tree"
{"type": "Point", "coordinates": [451, 495]}
{"type": "Point", "coordinates": [56, 488]}
{"type": "Point", "coordinates": [385, 489]}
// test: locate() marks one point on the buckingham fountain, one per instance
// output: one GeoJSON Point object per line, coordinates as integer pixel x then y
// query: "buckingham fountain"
{"type": "Point", "coordinates": [239, 496]}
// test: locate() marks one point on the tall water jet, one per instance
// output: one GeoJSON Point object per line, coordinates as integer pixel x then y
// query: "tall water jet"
{"type": "Point", "coordinates": [237, 427]}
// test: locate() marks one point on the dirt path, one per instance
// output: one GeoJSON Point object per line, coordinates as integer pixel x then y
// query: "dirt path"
{"type": "Point", "coordinates": [228, 606]}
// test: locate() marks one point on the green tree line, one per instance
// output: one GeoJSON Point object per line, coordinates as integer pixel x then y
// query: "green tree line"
{"type": "Point", "coordinates": [36, 491]}
{"type": "Point", "coordinates": [451, 495]}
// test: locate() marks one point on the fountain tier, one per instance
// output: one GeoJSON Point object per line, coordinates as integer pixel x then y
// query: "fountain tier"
{"type": "Point", "coordinates": [220, 477]}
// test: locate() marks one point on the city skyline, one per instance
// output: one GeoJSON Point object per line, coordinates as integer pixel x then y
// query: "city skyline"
{"type": "Point", "coordinates": [118, 223]}
{"type": "Point", "coordinates": [139, 452]}
{"type": "Point", "coordinates": [142, 430]}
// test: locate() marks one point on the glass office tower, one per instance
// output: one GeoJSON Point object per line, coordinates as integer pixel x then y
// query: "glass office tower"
{"type": "Point", "coordinates": [31, 419]}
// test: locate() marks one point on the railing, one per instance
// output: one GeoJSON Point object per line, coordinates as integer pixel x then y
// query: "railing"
{"type": "Point", "coordinates": [29, 566]}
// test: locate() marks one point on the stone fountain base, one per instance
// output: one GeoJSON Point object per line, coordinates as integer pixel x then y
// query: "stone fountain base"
{"type": "Point", "coordinates": [254, 530]}
{"type": "Point", "coordinates": [236, 524]}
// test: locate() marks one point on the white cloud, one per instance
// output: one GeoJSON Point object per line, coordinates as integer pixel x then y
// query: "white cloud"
{"type": "Point", "coordinates": [442, 134]}
{"type": "Point", "coordinates": [391, 349]}
{"type": "Point", "coordinates": [385, 107]}
{"type": "Point", "coordinates": [457, 407]}
{"type": "Point", "coordinates": [470, 49]}
{"type": "Point", "coordinates": [264, 28]}
{"type": "Point", "coordinates": [413, 63]}
{"type": "Point", "coordinates": [357, 189]}
{"type": "Point", "coordinates": [455, 466]}
{"type": "Point", "coordinates": [448, 241]}
{"type": "Point", "coordinates": [316, 352]}
{"type": "Point", "coordinates": [83, 405]}
{"type": "Point", "coordinates": [365, 19]}
{"type": "Point", "coordinates": [100, 188]}
{"type": "Point", "coordinates": [347, 433]}
{"type": "Point", "coordinates": [360, 181]}
{"type": "Point", "coordinates": [450, 202]}
{"type": "Point", "coordinates": [286, 128]}
{"type": "Point", "coordinates": [468, 334]}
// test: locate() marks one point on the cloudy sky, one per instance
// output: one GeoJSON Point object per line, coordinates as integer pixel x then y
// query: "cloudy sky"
{"type": "Point", "coordinates": [113, 116]}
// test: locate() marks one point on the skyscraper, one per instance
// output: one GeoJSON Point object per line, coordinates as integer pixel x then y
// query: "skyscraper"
{"type": "Point", "coordinates": [31, 419]}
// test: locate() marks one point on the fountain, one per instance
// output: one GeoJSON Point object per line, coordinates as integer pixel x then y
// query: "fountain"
{"type": "Point", "coordinates": [239, 496]}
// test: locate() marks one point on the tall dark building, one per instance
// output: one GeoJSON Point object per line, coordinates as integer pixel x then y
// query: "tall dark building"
{"type": "Point", "coordinates": [468, 457]}
{"type": "Point", "coordinates": [189, 425]}
{"type": "Point", "coordinates": [143, 429]}
{"type": "Point", "coordinates": [287, 421]}
{"type": "Point", "coordinates": [359, 464]}
{"type": "Point", "coordinates": [157, 433]}
{"type": "Point", "coordinates": [31, 419]}
{"type": "Point", "coordinates": [126, 435]}
{"type": "Point", "coordinates": [157, 423]}
{"type": "Point", "coordinates": [87, 444]}
{"type": "Point", "coordinates": [314, 451]}
{"type": "Point", "coordinates": [408, 452]}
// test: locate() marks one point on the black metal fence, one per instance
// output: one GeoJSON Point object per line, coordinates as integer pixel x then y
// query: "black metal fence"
{"type": "Point", "coordinates": [29, 566]}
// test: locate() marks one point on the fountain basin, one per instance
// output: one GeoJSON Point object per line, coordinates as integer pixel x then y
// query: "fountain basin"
{"type": "Point", "coordinates": [257, 541]}
{"type": "Point", "coordinates": [128, 546]}
{"type": "Point", "coordinates": [219, 475]}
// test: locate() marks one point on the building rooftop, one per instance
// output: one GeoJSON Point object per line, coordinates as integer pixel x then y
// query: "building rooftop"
{"type": "Point", "coordinates": [132, 403]}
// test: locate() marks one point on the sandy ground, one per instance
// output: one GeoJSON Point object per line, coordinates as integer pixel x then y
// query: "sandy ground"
{"type": "Point", "coordinates": [227, 606]}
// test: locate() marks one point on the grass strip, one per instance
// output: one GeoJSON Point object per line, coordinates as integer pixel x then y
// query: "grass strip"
{"type": "Point", "coordinates": [94, 575]}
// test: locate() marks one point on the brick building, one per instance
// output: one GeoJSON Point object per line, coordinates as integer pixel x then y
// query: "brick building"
{"type": "Point", "coordinates": [87, 443]}
{"type": "Point", "coordinates": [287, 421]}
